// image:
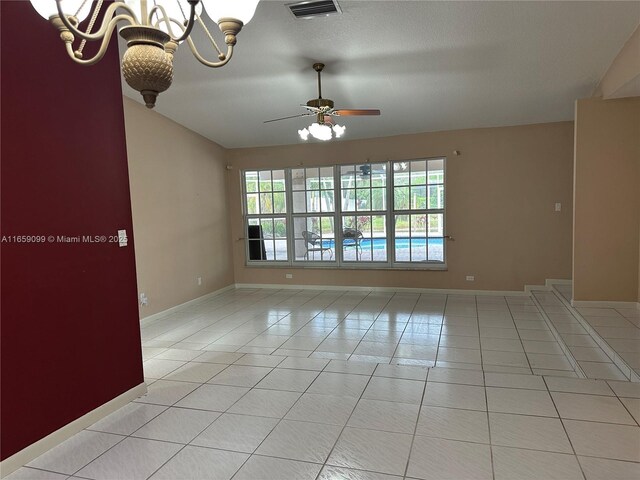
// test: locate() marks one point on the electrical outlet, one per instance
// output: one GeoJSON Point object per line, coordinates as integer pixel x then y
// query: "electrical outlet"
{"type": "Point", "coordinates": [471, 278]}
{"type": "Point", "coordinates": [288, 275]}
{"type": "Point", "coordinates": [144, 301]}
{"type": "Point", "coordinates": [199, 279]}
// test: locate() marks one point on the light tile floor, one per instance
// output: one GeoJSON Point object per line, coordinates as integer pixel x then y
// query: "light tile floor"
{"type": "Point", "coordinates": [340, 402]}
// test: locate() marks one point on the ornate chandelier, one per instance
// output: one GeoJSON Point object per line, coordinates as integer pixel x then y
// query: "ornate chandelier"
{"type": "Point", "coordinates": [154, 31]}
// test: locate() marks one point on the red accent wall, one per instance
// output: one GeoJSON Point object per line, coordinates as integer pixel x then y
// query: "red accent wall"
{"type": "Point", "coordinates": [70, 337]}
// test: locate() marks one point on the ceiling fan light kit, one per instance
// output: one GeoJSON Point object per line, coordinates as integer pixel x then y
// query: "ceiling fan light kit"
{"type": "Point", "coordinates": [154, 31]}
{"type": "Point", "coordinates": [323, 109]}
{"type": "Point", "coordinates": [322, 131]}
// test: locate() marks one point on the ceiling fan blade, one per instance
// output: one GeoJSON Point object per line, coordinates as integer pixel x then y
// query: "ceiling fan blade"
{"type": "Point", "coordinates": [354, 112]}
{"type": "Point", "coordinates": [292, 116]}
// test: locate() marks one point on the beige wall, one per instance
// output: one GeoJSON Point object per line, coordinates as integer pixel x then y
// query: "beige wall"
{"type": "Point", "coordinates": [179, 207]}
{"type": "Point", "coordinates": [501, 193]}
{"type": "Point", "coordinates": [607, 200]}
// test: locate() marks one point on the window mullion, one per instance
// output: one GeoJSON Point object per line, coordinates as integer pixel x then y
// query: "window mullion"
{"type": "Point", "coordinates": [288, 188]}
{"type": "Point", "coordinates": [337, 191]}
{"type": "Point", "coordinates": [391, 231]}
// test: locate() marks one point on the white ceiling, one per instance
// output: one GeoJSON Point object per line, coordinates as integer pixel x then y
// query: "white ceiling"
{"type": "Point", "coordinates": [427, 65]}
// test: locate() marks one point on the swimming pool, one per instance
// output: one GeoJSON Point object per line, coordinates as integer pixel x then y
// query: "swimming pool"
{"type": "Point", "coordinates": [400, 242]}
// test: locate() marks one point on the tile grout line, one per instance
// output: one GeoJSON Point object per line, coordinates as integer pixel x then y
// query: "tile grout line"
{"type": "Point", "coordinates": [444, 312]}
{"type": "Point", "coordinates": [519, 336]}
{"type": "Point", "coordinates": [217, 321]}
{"type": "Point", "coordinates": [338, 324]}
{"type": "Point", "coordinates": [286, 413]}
{"type": "Point", "coordinates": [415, 428]}
{"type": "Point", "coordinates": [413, 309]}
{"type": "Point", "coordinates": [486, 398]}
{"type": "Point", "coordinates": [371, 326]}
{"type": "Point", "coordinates": [564, 428]}
{"type": "Point", "coordinates": [345, 425]}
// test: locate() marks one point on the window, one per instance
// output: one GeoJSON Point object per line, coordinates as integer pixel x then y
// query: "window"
{"type": "Point", "coordinates": [418, 211]}
{"type": "Point", "coordinates": [363, 212]}
{"type": "Point", "coordinates": [388, 214]}
{"type": "Point", "coordinates": [313, 193]}
{"type": "Point", "coordinates": [266, 209]}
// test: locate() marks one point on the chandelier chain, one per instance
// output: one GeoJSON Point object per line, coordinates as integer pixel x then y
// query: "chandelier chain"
{"type": "Point", "coordinates": [92, 22]}
{"type": "Point", "coordinates": [182, 11]}
{"type": "Point", "coordinates": [211, 39]}
{"type": "Point", "coordinates": [81, 7]}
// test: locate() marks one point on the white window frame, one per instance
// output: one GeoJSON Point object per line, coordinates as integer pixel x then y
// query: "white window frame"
{"type": "Point", "coordinates": [259, 216]}
{"type": "Point", "coordinates": [423, 211]}
{"type": "Point", "coordinates": [338, 260]}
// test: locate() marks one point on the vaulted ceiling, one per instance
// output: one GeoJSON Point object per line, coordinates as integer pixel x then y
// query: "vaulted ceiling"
{"type": "Point", "coordinates": [427, 65]}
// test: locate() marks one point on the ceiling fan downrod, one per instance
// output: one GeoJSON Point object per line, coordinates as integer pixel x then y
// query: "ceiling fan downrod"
{"type": "Point", "coordinates": [318, 68]}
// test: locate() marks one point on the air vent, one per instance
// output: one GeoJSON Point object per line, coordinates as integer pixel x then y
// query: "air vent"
{"type": "Point", "coordinates": [314, 8]}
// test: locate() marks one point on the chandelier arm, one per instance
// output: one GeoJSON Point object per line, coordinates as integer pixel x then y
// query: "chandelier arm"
{"type": "Point", "coordinates": [103, 47]}
{"type": "Point", "coordinates": [163, 17]}
{"type": "Point", "coordinates": [106, 22]}
{"type": "Point", "coordinates": [94, 17]}
{"type": "Point", "coordinates": [188, 27]}
{"type": "Point", "coordinates": [206, 62]}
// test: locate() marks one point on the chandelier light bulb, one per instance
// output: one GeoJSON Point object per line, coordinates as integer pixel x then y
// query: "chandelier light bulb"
{"type": "Point", "coordinates": [304, 134]}
{"type": "Point", "coordinates": [320, 131]}
{"type": "Point", "coordinates": [48, 8]}
{"type": "Point", "coordinates": [242, 10]}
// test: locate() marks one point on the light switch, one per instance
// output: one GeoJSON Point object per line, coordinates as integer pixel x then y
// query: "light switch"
{"type": "Point", "coordinates": [558, 207]}
{"type": "Point", "coordinates": [122, 238]}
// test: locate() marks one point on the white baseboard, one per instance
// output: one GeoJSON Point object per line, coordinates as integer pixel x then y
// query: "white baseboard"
{"type": "Point", "coordinates": [152, 318]}
{"type": "Point", "coordinates": [604, 304]}
{"type": "Point", "coordinates": [45, 444]}
{"type": "Point", "coordinates": [549, 282]}
{"type": "Point", "coordinates": [502, 293]}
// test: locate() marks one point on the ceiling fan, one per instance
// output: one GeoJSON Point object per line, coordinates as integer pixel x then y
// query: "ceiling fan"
{"type": "Point", "coordinates": [365, 170]}
{"type": "Point", "coordinates": [323, 108]}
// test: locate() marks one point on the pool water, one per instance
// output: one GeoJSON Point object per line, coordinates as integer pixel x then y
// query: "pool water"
{"type": "Point", "coordinates": [400, 242]}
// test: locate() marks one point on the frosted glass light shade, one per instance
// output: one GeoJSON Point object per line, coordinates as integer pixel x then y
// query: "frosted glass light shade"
{"type": "Point", "coordinates": [339, 130]}
{"type": "Point", "coordinates": [304, 134]}
{"type": "Point", "coordinates": [242, 10]}
{"type": "Point", "coordinates": [48, 8]}
{"type": "Point", "coordinates": [321, 132]}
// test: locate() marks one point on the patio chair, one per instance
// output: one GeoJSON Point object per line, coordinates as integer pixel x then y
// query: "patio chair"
{"type": "Point", "coordinates": [351, 238]}
{"type": "Point", "coordinates": [313, 242]}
